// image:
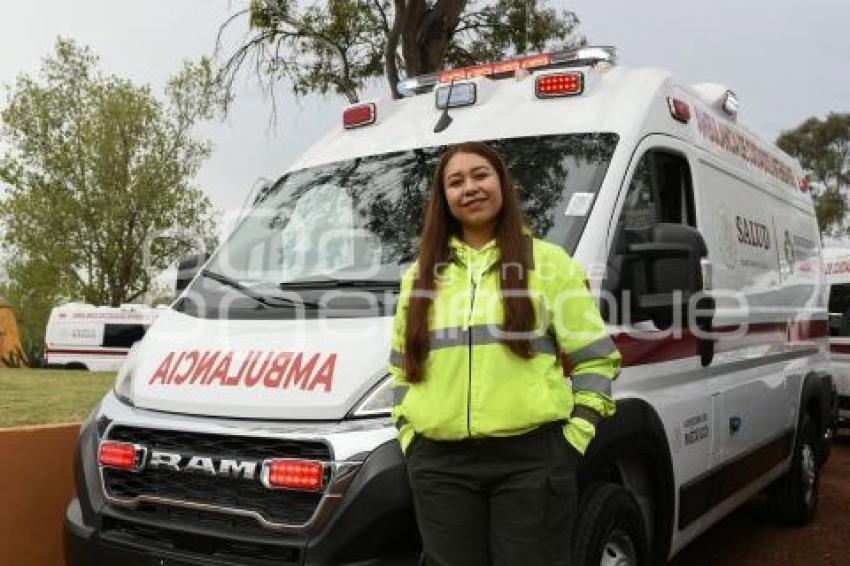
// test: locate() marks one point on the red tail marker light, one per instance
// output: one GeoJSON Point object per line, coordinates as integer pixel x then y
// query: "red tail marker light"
{"type": "Point", "coordinates": [804, 184]}
{"type": "Point", "coordinates": [300, 475]}
{"type": "Point", "coordinates": [560, 84]}
{"type": "Point", "coordinates": [360, 115]}
{"type": "Point", "coordinates": [679, 110]}
{"type": "Point", "coordinates": [121, 455]}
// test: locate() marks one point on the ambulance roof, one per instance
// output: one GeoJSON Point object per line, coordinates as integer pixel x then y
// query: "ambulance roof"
{"type": "Point", "coordinates": [631, 102]}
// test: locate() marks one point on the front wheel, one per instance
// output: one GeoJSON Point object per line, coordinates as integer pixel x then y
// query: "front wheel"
{"type": "Point", "coordinates": [794, 497]}
{"type": "Point", "coordinates": [610, 530]}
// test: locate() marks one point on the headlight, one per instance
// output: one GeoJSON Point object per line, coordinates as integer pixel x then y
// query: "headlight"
{"type": "Point", "coordinates": [378, 402]}
{"type": "Point", "coordinates": [123, 388]}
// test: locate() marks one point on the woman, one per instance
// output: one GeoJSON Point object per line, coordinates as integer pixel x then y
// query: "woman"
{"type": "Point", "coordinates": [491, 428]}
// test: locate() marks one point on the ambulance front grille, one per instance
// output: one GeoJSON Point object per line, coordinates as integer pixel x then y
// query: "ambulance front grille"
{"type": "Point", "coordinates": [275, 506]}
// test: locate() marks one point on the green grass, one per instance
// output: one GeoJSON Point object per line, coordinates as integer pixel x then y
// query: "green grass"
{"type": "Point", "coordinates": [38, 396]}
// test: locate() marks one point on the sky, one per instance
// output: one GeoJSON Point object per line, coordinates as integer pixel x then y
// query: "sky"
{"type": "Point", "coordinates": [786, 59]}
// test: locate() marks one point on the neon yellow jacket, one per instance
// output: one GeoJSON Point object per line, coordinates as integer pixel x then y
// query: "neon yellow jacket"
{"type": "Point", "coordinates": [475, 386]}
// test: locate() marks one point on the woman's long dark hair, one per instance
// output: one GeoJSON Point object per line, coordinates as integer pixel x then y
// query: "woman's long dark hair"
{"type": "Point", "coordinates": [440, 225]}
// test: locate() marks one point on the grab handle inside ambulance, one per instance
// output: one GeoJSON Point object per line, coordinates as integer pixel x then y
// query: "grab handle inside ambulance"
{"type": "Point", "coordinates": [668, 283]}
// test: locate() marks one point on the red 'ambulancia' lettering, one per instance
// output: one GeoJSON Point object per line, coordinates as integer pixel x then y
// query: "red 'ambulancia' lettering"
{"type": "Point", "coordinates": [325, 375]}
{"type": "Point", "coordinates": [163, 370]}
{"type": "Point", "coordinates": [192, 358]}
{"type": "Point", "coordinates": [278, 370]}
{"type": "Point", "coordinates": [251, 378]}
{"type": "Point", "coordinates": [281, 362]}
{"type": "Point", "coordinates": [300, 375]}
{"type": "Point", "coordinates": [202, 370]}
{"type": "Point", "coordinates": [220, 372]}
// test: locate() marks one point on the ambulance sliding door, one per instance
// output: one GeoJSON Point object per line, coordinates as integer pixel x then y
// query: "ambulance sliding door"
{"type": "Point", "coordinates": [738, 224]}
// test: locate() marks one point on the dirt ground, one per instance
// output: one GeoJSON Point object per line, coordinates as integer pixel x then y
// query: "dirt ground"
{"type": "Point", "coordinates": [749, 538]}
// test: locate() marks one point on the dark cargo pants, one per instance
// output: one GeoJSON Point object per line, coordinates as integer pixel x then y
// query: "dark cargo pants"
{"type": "Point", "coordinates": [495, 501]}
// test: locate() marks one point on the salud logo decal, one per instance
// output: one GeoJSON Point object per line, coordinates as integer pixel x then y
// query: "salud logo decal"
{"type": "Point", "coordinates": [273, 370]}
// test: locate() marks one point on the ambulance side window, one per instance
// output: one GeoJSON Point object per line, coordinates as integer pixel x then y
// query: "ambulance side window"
{"type": "Point", "coordinates": [122, 335]}
{"type": "Point", "coordinates": [660, 191]}
{"type": "Point", "coordinates": [839, 310]}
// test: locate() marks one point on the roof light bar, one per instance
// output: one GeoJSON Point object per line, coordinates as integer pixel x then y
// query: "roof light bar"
{"type": "Point", "coordinates": [360, 115]}
{"type": "Point", "coordinates": [559, 84]}
{"type": "Point", "coordinates": [574, 57]}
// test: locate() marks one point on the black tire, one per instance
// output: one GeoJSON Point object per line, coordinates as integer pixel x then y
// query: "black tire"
{"type": "Point", "coordinates": [610, 526]}
{"type": "Point", "coordinates": [793, 498]}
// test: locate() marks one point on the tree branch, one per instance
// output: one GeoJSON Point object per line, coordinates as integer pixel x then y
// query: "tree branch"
{"type": "Point", "coordinates": [393, 37]}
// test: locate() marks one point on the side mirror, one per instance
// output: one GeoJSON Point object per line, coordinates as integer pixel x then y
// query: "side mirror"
{"type": "Point", "coordinates": [187, 268]}
{"type": "Point", "coordinates": [666, 273]}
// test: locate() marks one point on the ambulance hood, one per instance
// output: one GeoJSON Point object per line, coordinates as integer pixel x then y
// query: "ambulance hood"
{"type": "Point", "coordinates": [268, 369]}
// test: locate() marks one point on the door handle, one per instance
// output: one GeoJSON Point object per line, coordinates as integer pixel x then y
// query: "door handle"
{"type": "Point", "coordinates": [735, 424]}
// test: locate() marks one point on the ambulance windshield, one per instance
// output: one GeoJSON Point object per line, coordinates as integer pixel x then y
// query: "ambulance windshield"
{"type": "Point", "coordinates": [360, 220]}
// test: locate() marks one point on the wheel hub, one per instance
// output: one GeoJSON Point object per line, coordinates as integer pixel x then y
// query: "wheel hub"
{"type": "Point", "coordinates": [619, 550]}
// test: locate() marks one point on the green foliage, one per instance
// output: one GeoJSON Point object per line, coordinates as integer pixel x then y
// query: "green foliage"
{"type": "Point", "coordinates": [339, 45]}
{"type": "Point", "coordinates": [510, 26]}
{"type": "Point", "coordinates": [823, 148]}
{"type": "Point", "coordinates": [98, 171]}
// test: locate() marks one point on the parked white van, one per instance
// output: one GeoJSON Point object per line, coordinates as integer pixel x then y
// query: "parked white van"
{"type": "Point", "coordinates": [251, 425]}
{"type": "Point", "coordinates": [837, 271]}
{"type": "Point", "coordinates": [83, 336]}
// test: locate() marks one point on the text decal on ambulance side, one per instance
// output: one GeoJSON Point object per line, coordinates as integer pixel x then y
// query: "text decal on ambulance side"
{"type": "Point", "coordinates": [744, 147]}
{"type": "Point", "coordinates": [257, 369]}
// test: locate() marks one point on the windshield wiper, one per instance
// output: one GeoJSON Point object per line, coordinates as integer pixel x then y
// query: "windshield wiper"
{"type": "Point", "coordinates": [328, 282]}
{"type": "Point", "coordinates": [275, 302]}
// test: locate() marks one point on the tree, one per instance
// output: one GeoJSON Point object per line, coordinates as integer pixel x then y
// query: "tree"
{"type": "Point", "coordinates": [340, 45]}
{"type": "Point", "coordinates": [97, 169]}
{"type": "Point", "coordinates": [823, 148]}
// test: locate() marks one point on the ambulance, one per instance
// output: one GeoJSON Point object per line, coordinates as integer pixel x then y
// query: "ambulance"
{"type": "Point", "coordinates": [252, 424]}
{"type": "Point", "coordinates": [94, 338]}
{"type": "Point", "coordinates": [837, 271]}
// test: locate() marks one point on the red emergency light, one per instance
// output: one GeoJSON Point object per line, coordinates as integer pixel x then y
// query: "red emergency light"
{"type": "Point", "coordinates": [360, 115]}
{"type": "Point", "coordinates": [120, 455]}
{"type": "Point", "coordinates": [679, 110]}
{"type": "Point", "coordinates": [300, 475]}
{"type": "Point", "coordinates": [804, 184]}
{"type": "Point", "coordinates": [559, 84]}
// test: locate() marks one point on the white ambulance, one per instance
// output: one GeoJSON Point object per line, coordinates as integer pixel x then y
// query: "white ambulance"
{"type": "Point", "coordinates": [96, 338]}
{"type": "Point", "coordinates": [837, 271]}
{"type": "Point", "coordinates": [251, 425]}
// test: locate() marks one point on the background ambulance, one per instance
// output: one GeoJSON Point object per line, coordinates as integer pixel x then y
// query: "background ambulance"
{"type": "Point", "coordinates": [251, 425]}
{"type": "Point", "coordinates": [82, 336]}
{"type": "Point", "coordinates": [837, 271]}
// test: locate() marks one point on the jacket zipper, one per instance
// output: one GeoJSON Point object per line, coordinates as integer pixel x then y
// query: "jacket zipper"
{"type": "Point", "coordinates": [469, 345]}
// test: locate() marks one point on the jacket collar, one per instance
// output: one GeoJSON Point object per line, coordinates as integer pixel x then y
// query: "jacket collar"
{"type": "Point", "coordinates": [483, 258]}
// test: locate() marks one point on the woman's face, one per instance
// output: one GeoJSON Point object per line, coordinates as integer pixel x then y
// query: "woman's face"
{"type": "Point", "coordinates": [473, 190]}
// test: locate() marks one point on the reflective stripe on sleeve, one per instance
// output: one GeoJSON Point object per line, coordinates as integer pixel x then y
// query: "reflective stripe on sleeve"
{"type": "Point", "coordinates": [587, 414]}
{"type": "Point", "coordinates": [602, 348]}
{"type": "Point", "coordinates": [592, 382]}
{"type": "Point", "coordinates": [399, 393]}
